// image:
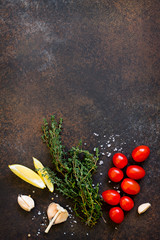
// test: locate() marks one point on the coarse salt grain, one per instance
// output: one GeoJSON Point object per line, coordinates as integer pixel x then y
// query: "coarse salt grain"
{"type": "Point", "coordinates": [101, 162]}
{"type": "Point", "coordinates": [96, 134]}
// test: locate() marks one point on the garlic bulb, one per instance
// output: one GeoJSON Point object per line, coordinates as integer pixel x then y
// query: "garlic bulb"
{"type": "Point", "coordinates": [56, 214]}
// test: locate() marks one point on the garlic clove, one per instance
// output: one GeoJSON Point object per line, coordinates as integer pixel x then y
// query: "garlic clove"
{"type": "Point", "coordinates": [56, 214]}
{"type": "Point", "coordinates": [62, 217]}
{"type": "Point", "coordinates": [26, 202]}
{"type": "Point", "coordinates": [52, 210]}
{"type": "Point", "coordinates": [143, 207]}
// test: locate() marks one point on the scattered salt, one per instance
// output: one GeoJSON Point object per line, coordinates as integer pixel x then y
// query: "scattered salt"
{"type": "Point", "coordinates": [103, 154]}
{"type": "Point", "coordinates": [115, 149]}
{"type": "Point", "coordinates": [101, 162]}
{"type": "Point", "coordinates": [94, 149]}
{"type": "Point", "coordinates": [109, 145]}
{"type": "Point", "coordinates": [101, 173]}
{"type": "Point", "coordinates": [85, 143]}
{"type": "Point", "coordinates": [96, 134]}
{"type": "Point", "coordinates": [64, 232]}
{"type": "Point", "coordinates": [39, 213]}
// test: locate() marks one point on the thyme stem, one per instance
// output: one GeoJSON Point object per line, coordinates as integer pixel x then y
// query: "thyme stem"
{"type": "Point", "coordinates": [73, 173]}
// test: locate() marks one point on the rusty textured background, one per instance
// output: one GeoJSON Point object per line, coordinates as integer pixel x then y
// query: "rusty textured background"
{"type": "Point", "coordinates": [96, 64]}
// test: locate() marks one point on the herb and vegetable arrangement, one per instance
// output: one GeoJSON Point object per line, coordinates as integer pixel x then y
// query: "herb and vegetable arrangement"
{"type": "Point", "coordinates": [71, 175]}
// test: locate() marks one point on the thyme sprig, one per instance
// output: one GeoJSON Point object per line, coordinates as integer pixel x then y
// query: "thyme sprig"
{"type": "Point", "coordinates": [73, 172]}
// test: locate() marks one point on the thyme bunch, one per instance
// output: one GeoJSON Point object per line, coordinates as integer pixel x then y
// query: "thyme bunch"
{"type": "Point", "coordinates": [73, 172]}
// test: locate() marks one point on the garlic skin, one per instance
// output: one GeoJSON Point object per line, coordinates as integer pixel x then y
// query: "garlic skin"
{"type": "Point", "coordinates": [26, 202]}
{"type": "Point", "coordinates": [143, 207]}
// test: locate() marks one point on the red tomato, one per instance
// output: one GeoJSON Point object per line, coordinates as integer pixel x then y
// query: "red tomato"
{"type": "Point", "coordinates": [135, 172]}
{"type": "Point", "coordinates": [130, 186]}
{"type": "Point", "coordinates": [112, 197]}
{"type": "Point", "coordinates": [115, 174]}
{"type": "Point", "coordinates": [116, 214]}
{"type": "Point", "coordinates": [120, 160]}
{"type": "Point", "coordinates": [140, 153]}
{"type": "Point", "coordinates": [126, 203]}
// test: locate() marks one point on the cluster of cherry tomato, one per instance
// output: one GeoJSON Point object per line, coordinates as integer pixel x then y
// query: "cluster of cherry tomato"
{"type": "Point", "coordinates": [128, 185]}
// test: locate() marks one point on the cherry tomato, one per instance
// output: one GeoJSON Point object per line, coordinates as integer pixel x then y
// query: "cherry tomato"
{"type": "Point", "coordinates": [126, 203]}
{"type": "Point", "coordinates": [115, 174]}
{"type": "Point", "coordinates": [135, 172]}
{"type": "Point", "coordinates": [120, 160]}
{"type": "Point", "coordinates": [140, 153]}
{"type": "Point", "coordinates": [112, 197]}
{"type": "Point", "coordinates": [130, 186]}
{"type": "Point", "coordinates": [116, 214]}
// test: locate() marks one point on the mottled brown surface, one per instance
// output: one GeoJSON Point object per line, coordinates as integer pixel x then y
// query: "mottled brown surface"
{"type": "Point", "coordinates": [96, 64]}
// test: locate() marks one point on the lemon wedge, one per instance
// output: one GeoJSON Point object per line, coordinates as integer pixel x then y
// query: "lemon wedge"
{"type": "Point", "coordinates": [27, 175]}
{"type": "Point", "coordinates": [43, 174]}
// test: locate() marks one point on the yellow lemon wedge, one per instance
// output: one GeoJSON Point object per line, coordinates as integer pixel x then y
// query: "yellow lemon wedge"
{"type": "Point", "coordinates": [43, 174]}
{"type": "Point", "coordinates": [27, 175]}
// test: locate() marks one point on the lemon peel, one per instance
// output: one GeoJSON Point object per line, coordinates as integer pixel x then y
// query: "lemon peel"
{"type": "Point", "coordinates": [43, 174]}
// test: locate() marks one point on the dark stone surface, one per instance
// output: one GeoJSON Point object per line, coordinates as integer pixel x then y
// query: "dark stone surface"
{"type": "Point", "coordinates": [96, 64]}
